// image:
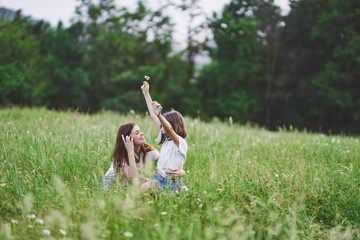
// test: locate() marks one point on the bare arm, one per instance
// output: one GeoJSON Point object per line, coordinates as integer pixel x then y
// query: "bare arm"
{"type": "Point", "coordinates": [166, 125]}
{"type": "Point", "coordinates": [130, 171]}
{"type": "Point", "coordinates": [176, 173]}
{"type": "Point", "coordinates": [145, 89]}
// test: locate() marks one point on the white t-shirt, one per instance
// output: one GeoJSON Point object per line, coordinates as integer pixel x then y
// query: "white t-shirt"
{"type": "Point", "coordinates": [172, 156]}
{"type": "Point", "coordinates": [110, 175]}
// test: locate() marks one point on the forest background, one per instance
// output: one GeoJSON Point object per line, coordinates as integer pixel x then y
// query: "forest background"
{"type": "Point", "coordinates": [301, 70]}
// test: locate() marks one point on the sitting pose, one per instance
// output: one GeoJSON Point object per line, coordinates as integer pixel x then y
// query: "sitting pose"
{"type": "Point", "coordinates": [172, 132]}
{"type": "Point", "coordinates": [129, 155]}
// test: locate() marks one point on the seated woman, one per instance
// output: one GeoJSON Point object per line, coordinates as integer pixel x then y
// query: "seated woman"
{"type": "Point", "coordinates": [129, 155]}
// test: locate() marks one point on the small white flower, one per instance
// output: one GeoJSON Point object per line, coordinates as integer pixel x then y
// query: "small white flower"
{"type": "Point", "coordinates": [348, 151]}
{"type": "Point", "coordinates": [198, 199]}
{"type": "Point", "coordinates": [39, 220]}
{"type": "Point", "coordinates": [187, 171]}
{"type": "Point", "coordinates": [220, 189]}
{"type": "Point", "coordinates": [333, 140]}
{"type": "Point", "coordinates": [205, 192]}
{"type": "Point", "coordinates": [147, 78]}
{"type": "Point", "coordinates": [200, 206]}
{"type": "Point", "coordinates": [46, 232]}
{"type": "Point", "coordinates": [249, 162]}
{"type": "Point", "coordinates": [163, 213]}
{"type": "Point", "coordinates": [3, 184]}
{"type": "Point", "coordinates": [150, 202]}
{"type": "Point", "coordinates": [175, 206]}
{"type": "Point", "coordinates": [276, 175]}
{"type": "Point", "coordinates": [32, 216]}
{"type": "Point", "coordinates": [30, 226]}
{"type": "Point", "coordinates": [156, 225]}
{"type": "Point", "coordinates": [215, 209]}
{"type": "Point", "coordinates": [27, 132]}
{"type": "Point", "coordinates": [128, 234]}
{"type": "Point", "coordinates": [185, 188]}
{"type": "Point", "coordinates": [62, 231]}
{"type": "Point", "coordinates": [14, 221]}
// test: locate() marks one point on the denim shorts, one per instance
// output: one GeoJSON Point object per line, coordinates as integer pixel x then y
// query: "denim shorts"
{"type": "Point", "coordinates": [167, 184]}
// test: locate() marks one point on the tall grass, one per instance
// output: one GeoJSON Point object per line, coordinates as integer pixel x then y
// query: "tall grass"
{"type": "Point", "coordinates": [243, 182]}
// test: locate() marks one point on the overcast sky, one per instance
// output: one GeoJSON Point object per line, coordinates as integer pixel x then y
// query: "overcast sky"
{"type": "Point", "coordinates": [55, 10]}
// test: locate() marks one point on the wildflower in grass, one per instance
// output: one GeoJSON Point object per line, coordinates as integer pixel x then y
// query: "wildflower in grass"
{"type": "Point", "coordinates": [31, 216]}
{"type": "Point", "coordinates": [220, 189]}
{"type": "Point", "coordinates": [30, 226]}
{"type": "Point", "coordinates": [185, 188]}
{"type": "Point", "coordinates": [128, 234]}
{"type": "Point", "coordinates": [163, 213]}
{"type": "Point", "coordinates": [249, 162]}
{"type": "Point", "coordinates": [39, 220]}
{"type": "Point", "coordinates": [46, 232]}
{"type": "Point", "coordinates": [187, 171]}
{"type": "Point", "coordinates": [147, 78]}
{"type": "Point", "coordinates": [150, 202]}
{"type": "Point", "coordinates": [198, 199]}
{"type": "Point", "coordinates": [3, 184]}
{"type": "Point", "coordinates": [216, 209]}
{"type": "Point", "coordinates": [62, 231]}
{"type": "Point", "coordinates": [205, 192]}
{"type": "Point", "coordinates": [27, 132]}
{"type": "Point", "coordinates": [156, 225]}
{"type": "Point", "coordinates": [14, 221]}
{"type": "Point", "coordinates": [276, 175]}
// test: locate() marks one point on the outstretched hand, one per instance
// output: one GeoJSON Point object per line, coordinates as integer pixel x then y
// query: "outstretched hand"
{"type": "Point", "coordinates": [157, 108]}
{"type": "Point", "coordinates": [129, 143]}
{"type": "Point", "coordinates": [145, 87]}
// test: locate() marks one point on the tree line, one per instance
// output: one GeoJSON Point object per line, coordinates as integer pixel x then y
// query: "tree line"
{"type": "Point", "coordinates": [299, 70]}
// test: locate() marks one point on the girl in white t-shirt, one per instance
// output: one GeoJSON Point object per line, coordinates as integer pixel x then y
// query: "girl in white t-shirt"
{"type": "Point", "coordinates": [129, 155]}
{"type": "Point", "coordinates": [172, 134]}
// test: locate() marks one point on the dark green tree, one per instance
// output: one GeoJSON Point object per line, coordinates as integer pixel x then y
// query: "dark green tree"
{"type": "Point", "coordinates": [19, 58]}
{"type": "Point", "coordinates": [230, 83]}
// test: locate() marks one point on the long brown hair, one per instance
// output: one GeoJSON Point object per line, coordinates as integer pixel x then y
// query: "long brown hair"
{"type": "Point", "coordinates": [177, 122]}
{"type": "Point", "coordinates": [120, 152]}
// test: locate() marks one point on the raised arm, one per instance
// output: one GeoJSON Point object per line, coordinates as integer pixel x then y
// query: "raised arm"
{"type": "Point", "coordinates": [130, 171]}
{"type": "Point", "coordinates": [145, 89]}
{"type": "Point", "coordinates": [165, 124]}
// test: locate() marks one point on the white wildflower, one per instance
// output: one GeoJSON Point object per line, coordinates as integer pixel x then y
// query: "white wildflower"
{"type": "Point", "coordinates": [163, 213]}
{"type": "Point", "coordinates": [220, 189]}
{"type": "Point", "coordinates": [249, 162]}
{"type": "Point", "coordinates": [147, 78]}
{"type": "Point", "coordinates": [156, 225]}
{"type": "Point", "coordinates": [205, 192]}
{"type": "Point", "coordinates": [14, 221]}
{"type": "Point", "coordinates": [200, 206]}
{"type": "Point", "coordinates": [276, 175]}
{"type": "Point", "coordinates": [30, 226]}
{"type": "Point", "coordinates": [215, 209]}
{"type": "Point", "coordinates": [32, 216]}
{"type": "Point", "coordinates": [185, 188]}
{"type": "Point", "coordinates": [39, 220]}
{"type": "Point", "coordinates": [46, 232]}
{"type": "Point", "coordinates": [187, 171]}
{"type": "Point", "coordinates": [3, 184]}
{"type": "Point", "coordinates": [198, 199]}
{"type": "Point", "coordinates": [27, 132]}
{"type": "Point", "coordinates": [128, 234]}
{"type": "Point", "coordinates": [62, 231]}
{"type": "Point", "coordinates": [150, 202]}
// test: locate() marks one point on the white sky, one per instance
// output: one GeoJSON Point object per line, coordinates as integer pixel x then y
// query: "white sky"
{"type": "Point", "coordinates": [55, 10]}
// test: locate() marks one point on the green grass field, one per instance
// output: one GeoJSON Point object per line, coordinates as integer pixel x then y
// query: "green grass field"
{"type": "Point", "coordinates": [243, 182]}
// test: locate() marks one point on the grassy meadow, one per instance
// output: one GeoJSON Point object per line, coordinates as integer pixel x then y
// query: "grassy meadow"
{"type": "Point", "coordinates": [243, 182]}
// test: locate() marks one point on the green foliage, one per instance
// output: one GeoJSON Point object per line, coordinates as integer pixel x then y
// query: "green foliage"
{"type": "Point", "coordinates": [243, 182]}
{"type": "Point", "coordinates": [230, 83]}
{"type": "Point", "coordinates": [19, 67]}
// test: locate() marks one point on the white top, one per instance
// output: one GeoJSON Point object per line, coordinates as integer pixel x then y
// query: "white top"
{"type": "Point", "coordinates": [172, 156]}
{"type": "Point", "coordinates": [110, 175]}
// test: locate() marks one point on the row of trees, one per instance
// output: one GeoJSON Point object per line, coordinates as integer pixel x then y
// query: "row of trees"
{"type": "Point", "coordinates": [302, 69]}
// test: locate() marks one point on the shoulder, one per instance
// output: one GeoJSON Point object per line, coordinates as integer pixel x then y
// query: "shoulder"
{"type": "Point", "coordinates": [154, 154]}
